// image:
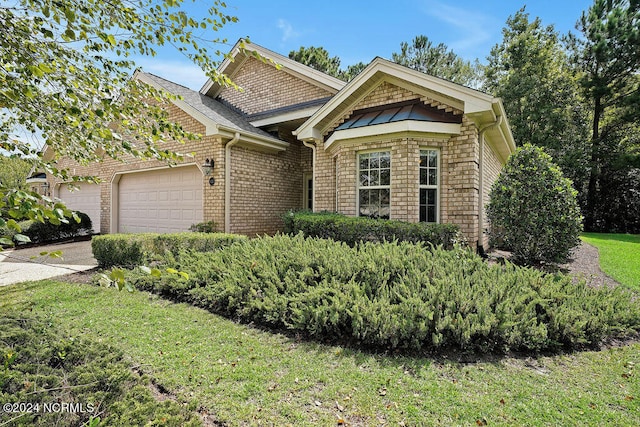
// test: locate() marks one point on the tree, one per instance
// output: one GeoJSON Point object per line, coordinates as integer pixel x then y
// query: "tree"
{"type": "Point", "coordinates": [608, 56]}
{"type": "Point", "coordinates": [14, 171]}
{"type": "Point", "coordinates": [317, 58]}
{"type": "Point", "coordinates": [438, 61]}
{"type": "Point", "coordinates": [533, 209]}
{"type": "Point", "coordinates": [351, 71]}
{"type": "Point", "coordinates": [65, 74]}
{"type": "Point", "coordinates": [530, 71]}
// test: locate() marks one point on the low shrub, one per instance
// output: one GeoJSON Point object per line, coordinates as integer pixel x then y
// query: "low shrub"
{"type": "Point", "coordinates": [397, 295]}
{"type": "Point", "coordinates": [41, 365]}
{"type": "Point", "coordinates": [352, 230]}
{"type": "Point", "coordinates": [130, 250]}
{"type": "Point", "coordinates": [44, 232]}
{"type": "Point", "coordinates": [204, 227]}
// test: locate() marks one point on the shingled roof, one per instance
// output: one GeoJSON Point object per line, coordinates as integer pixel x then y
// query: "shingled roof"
{"type": "Point", "coordinates": [209, 107]}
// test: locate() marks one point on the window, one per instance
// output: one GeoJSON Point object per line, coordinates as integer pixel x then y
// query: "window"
{"type": "Point", "coordinates": [308, 191]}
{"type": "Point", "coordinates": [429, 185]}
{"type": "Point", "coordinates": [374, 184]}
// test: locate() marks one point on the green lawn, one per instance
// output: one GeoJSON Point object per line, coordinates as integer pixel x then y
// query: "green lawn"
{"type": "Point", "coordinates": [245, 376]}
{"type": "Point", "coordinates": [619, 256]}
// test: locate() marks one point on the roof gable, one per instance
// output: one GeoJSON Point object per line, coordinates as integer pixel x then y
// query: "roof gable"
{"type": "Point", "coordinates": [479, 107]}
{"type": "Point", "coordinates": [242, 52]}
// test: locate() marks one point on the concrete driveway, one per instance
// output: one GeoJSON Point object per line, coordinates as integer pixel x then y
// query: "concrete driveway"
{"type": "Point", "coordinates": [21, 265]}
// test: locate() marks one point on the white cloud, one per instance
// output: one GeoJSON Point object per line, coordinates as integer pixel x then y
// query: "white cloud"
{"type": "Point", "coordinates": [471, 29]}
{"type": "Point", "coordinates": [287, 30]}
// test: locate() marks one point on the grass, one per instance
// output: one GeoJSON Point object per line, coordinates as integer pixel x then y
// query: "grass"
{"type": "Point", "coordinates": [245, 376]}
{"type": "Point", "coordinates": [619, 256]}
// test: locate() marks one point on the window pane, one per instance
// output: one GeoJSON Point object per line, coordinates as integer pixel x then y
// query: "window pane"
{"type": "Point", "coordinates": [364, 179]}
{"type": "Point", "coordinates": [375, 177]}
{"type": "Point", "coordinates": [385, 160]}
{"type": "Point", "coordinates": [431, 214]}
{"type": "Point", "coordinates": [364, 161]}
{"type": "Point", "coordinates": [423, 196]}
{"type": "Point", "coordinates": [364, 198]}
{"type": "Point", "coordinates": [423, 213]}
{"type": "Point", "coordinates": [385, 207]}
{"type": "Point", "coordinates": [423, 177]}
{"type": "Point", "coordinates": [431, 197]}
{"type": "Point", "coordinates": [374, 197]}
{"type": "Point", "coordinates": [374, 160]}
{"type": "Point", "coordinates": [433, 177]}
{"type": "Point", "coordinates": [433, 158]}
{"type": "Point", "coordinates": [385, 196]}
{"type": "Point", "coordinates": [385, 177]}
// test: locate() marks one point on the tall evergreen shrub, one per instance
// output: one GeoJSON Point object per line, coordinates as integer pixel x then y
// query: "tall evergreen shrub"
{"type": "Point", "coordinates": [533, 209]}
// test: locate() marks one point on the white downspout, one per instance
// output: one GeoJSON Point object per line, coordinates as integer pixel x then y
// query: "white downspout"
{"type": "Point", "coordinates": [313, 172]}
{"type": "Point", "coordinates": [227, 181]}
{"type": "Point", "coordinates": [480, 245]}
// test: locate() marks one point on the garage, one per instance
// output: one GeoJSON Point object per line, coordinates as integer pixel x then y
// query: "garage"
{"type": "Point", "coordinates": [162, 200]}
{"type": "Point", "coordinates": [86, 199]}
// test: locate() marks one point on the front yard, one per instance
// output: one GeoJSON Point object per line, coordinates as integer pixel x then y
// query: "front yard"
{"type": "Point", "coordinates": [619, 256]}
{"type": "Point", "coordinates": [240, 375]}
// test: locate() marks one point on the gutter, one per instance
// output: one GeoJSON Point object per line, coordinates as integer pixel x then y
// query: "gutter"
{"type": "Point", "coordinates": [227, 181]}
{"type": "Point", "coordinates": [483, 129]}
{"type": "Point", "coordinates": [313, 172]}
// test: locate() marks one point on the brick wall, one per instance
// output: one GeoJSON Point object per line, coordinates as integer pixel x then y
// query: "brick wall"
{"type": "Point", "coordinates": [263, 188]}
{"type": "Point", "coordinates": [458, 168]}
{"type": "Point", "coordinates": [491, 166]}
{"type": "Point", "coordinates": [266, 88]}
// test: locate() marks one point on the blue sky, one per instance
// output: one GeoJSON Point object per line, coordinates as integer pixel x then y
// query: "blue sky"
{"type": "Point", "coordinates": [361, 30]}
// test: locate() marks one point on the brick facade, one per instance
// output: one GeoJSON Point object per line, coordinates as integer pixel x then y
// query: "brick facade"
{"type": "Point", "coordinates": [266, 88]}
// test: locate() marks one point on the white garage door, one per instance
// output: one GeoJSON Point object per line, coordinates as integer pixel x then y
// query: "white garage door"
{"type": "Point", "coordinates": [86, 199]}
{"type": "Point", "coordinates": [164, 200]}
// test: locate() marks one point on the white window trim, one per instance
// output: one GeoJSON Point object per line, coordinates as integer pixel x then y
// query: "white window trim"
{"type": "Point", "coordinates": [373, 187]}
{"type": "Point", "coordinates": [436, 187]}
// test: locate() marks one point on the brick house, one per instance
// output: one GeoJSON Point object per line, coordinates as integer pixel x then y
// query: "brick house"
{"type": "Point", "coordinates": [392, 143]}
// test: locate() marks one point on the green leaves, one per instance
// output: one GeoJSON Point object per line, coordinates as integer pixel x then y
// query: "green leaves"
{"type": "Point", "coordinates": [533, 209]}
{"type": "Point", "coordinates": [395, 296]}
{"type": "Point", "coordinates": [116, 277]}
{"type": "Point", "coordinates": [71, 93]}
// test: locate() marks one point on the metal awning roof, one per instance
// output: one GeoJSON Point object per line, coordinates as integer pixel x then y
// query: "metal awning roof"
{"type": "Point", "coordinates": [413, 110]}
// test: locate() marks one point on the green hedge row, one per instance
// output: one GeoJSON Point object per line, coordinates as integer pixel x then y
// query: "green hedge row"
{"type": "Point", "coordinates": [130, 250]}
{"type": "Point", "coordinates": [397, 295]}
{"type": "Point", "coordinates": [44, 232]}
{"type": "Point", "coordinates": [353, 230]}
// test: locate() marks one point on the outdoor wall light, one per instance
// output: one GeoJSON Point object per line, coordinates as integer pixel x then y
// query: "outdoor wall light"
{"type": "Point", "coordinates": [207, 167]}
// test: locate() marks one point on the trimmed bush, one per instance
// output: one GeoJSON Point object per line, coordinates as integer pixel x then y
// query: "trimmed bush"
{"type": "Point", "coordinates": [129, 250]}
{"type": "Point", "coordinates": [397, 295]}
{"type": "Point", "coordinates": [352, 230]}
{"type": "Point", "coordinates": [533, 209]}
{"type": "Point", "coordinates": [44, 232]}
